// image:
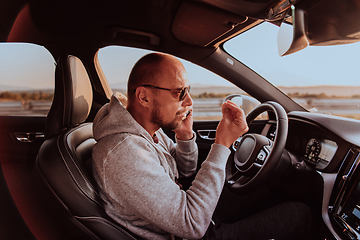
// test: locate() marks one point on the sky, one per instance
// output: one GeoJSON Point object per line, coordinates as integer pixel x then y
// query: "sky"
{"type": "Point", "coordinates": [20, 61]}
{"type": "Point", "coordinates": [337, 65]}
{"type": "Point", "coordinates": [314, 65]}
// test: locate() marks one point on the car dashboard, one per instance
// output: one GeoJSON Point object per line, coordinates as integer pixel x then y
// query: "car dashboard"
{"type": "Point", "coordinates": [331, 145]}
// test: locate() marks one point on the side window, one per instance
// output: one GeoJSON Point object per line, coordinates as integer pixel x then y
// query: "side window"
{"type": "Point", "coordinates": [208, 90]}
{"type": "Point", "coordinates": [27, 74]}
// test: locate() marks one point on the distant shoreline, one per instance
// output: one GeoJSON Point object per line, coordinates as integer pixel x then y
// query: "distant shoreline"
{"type": "Point", "coordinates": [211, 91]}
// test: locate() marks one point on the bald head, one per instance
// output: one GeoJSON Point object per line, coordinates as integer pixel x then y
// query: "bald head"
{"type": "Point", "coordinates": [148, 69]}
{"type": "Point", "coordinates": [158, 94]}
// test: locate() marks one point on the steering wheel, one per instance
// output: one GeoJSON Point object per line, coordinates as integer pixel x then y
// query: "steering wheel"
{"type": "Point", "coordinates": [256, 156]}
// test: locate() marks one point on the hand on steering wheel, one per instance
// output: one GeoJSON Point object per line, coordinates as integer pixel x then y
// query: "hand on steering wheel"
{"type": "Point", "coordinates": [257, 156]}
{"type": "Point", "coordinates": [232, 125]}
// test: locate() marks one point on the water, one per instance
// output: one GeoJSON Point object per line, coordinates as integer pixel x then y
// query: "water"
{"type": "Point", "coordinates": [21, 108]}
{"type": "Point", "coordinates": [332, 106]}
{"type": "Point", "coordinates": [203, 107]}
{"type": "Point", "coordinates": [336, 106]}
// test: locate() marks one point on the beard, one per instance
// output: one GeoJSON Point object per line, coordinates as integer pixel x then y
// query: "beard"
{"type": "Point", "coordinates": [157, 119]}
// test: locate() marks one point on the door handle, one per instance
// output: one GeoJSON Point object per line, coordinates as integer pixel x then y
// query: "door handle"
{"type": "Point", "coordinates": [28, 137]}
{"type": "Point", "coordinates": [207, 134]}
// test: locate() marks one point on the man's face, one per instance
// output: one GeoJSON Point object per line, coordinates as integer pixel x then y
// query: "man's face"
{"type": "Point", "coordinates": [168, 111]}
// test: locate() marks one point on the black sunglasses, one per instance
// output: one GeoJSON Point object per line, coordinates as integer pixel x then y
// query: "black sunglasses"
{"type": "Point", "coordinates": [182, 91]}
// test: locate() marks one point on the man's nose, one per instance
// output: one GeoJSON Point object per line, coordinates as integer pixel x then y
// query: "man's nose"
{"type": "Point", "coordinates": [188, 100]}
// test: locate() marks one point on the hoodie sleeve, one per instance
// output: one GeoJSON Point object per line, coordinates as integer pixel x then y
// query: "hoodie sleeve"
{"type": "Point", "coordinates": [139, 184]}
{"type": "Point", "coordinates": [184, 152]}
{"type": "Point", "coordinates": [186, 156]}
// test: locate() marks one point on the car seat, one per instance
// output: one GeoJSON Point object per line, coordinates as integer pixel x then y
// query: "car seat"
{"type": "Point", "coordinates": [62, 167]}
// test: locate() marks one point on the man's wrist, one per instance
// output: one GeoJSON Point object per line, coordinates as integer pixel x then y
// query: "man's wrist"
{"type": "Point", "coordinates": [223, 142]}
{"type": "Point", "coordinates": [185, 136]}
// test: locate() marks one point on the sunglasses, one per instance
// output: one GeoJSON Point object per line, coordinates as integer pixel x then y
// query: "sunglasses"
{"type": "Point", "coordinates": [182, 91]}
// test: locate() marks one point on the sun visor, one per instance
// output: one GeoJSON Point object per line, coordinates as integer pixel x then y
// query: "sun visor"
{"type": "Point", "coordinates": [199, 24]}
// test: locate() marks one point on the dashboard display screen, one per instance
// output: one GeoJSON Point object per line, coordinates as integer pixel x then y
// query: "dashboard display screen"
{"type": "Point", "coordinates": [328, 150]}
{"type": "Point", "coordinates": [356, 212]}
{"type": "Point", "coordinates": [346, 212]}
{"type": "Point", "coordinates": [320, 151]}
{"type": "Point", "coordinates": [351, 211]}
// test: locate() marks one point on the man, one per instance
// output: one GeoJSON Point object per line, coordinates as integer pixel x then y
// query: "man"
{"type": "Point", "coordinates": [137, 166]}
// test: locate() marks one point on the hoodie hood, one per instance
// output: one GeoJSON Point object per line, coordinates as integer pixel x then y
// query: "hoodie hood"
{"type": "Point", "coordinates": [113, 118]}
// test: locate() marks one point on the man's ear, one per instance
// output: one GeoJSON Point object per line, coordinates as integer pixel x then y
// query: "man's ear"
{"type": "Point", "coordinates": [142, 96]}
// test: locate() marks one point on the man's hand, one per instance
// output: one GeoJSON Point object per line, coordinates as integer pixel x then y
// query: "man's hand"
{"type": "Point", "coordinates": [184, 131]}
{"type": "Point", "coordinates": [232, 125]}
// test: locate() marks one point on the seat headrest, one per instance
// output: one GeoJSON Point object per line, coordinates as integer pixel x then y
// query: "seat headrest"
{"type": "Point", "coordinates": [72, 98]}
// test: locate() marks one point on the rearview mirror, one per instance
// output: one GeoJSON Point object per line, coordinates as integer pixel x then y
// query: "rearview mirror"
{"type": "Point", "coordinates": [319, 23]}
{"type": "Point", "coordinates": [292, 38]}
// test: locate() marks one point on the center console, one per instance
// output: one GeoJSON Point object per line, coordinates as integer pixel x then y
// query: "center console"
{"type": "Point", "coordinates": [346, 209]}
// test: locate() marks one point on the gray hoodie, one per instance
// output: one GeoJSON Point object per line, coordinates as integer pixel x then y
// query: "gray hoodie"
{"type": "Point", "coordinates": [137, 177]}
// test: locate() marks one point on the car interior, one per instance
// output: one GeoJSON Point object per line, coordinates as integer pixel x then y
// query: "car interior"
{"type": "Point", "coordinates": [46, 183]}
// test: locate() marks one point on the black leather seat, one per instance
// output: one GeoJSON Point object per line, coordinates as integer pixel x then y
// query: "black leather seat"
{"type": "Point", "coordinates": [63, 162]}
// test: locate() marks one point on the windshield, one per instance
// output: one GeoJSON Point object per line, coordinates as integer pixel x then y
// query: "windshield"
{"type": "Point", "coordinates": [324, 79]}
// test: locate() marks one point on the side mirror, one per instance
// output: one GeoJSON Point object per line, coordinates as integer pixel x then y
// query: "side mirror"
{"type": "Point", "coordinates": [246, 103]}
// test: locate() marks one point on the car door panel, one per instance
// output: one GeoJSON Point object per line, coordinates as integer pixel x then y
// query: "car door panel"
{"type": "Point", "coordinates": [205, 137]}
{"type": "Point", "coordinates": [20, 139]}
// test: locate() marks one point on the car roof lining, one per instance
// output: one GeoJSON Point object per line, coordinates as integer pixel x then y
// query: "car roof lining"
{"type": "Point", "coordinates": [250, 8]}
{"type": "Point", "coordinates": [200, 25]}
{"type": "Point", "coordinates": [73, 23]}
